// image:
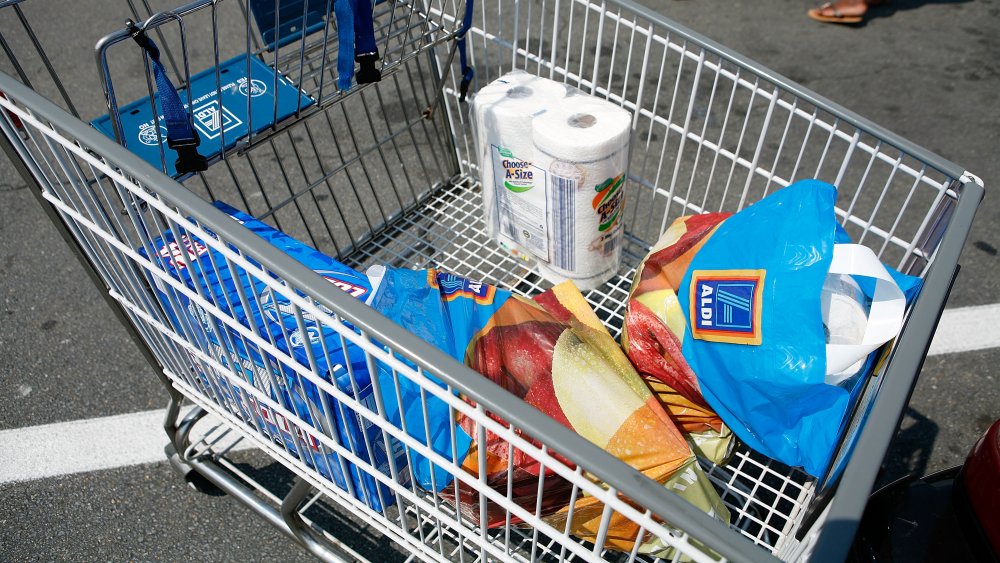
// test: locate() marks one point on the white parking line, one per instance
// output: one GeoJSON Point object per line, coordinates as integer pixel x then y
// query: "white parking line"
{"type": "Point", "coordinates": [966, 329]}
{"type": "Point", "coordinates": [81, 446]}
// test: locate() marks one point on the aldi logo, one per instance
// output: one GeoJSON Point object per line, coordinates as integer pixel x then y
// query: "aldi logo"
{"type": "Point", "coordinates": [726, 305]}
{"type": "Point", "coordinates": [211, 119]}
{"type": "Point", "coordinates": [452, 287]}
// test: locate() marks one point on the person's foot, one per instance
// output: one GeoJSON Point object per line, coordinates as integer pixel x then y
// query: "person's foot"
{"type": "Point", "coordinates": [841, 11]}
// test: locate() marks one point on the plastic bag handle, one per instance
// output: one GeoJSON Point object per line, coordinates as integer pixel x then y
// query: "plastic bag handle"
{"type": "Point", "coordinates": [885, 319]}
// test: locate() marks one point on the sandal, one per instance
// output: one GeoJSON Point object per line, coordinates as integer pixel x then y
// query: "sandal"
{"type": "Point", "coordinates": [837, 17]}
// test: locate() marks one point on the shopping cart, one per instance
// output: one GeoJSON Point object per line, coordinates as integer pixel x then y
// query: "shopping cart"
{"type": "Point", "coordinates": [384, 173]}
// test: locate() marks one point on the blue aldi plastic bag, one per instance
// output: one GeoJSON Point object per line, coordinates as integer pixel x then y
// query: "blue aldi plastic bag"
{"type": "Point", "coordinates": [757, 335]}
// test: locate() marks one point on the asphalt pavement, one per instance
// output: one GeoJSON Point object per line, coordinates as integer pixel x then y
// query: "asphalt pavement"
{"type": "Point", "coordinates": [927, 70]}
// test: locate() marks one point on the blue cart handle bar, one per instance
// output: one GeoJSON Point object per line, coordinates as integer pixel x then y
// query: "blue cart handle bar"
{"type": "Point", "coordinates": [181, 135]}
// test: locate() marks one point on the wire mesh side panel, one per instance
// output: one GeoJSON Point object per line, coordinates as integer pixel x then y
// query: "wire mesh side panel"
{"type": "Point", "coordinates": [339, 177]}
{"type": "Point", "coordinates": [309, 389]}
{"type": "Point", "coordinates": [31, 53]}
{"type": "Point", "coordinates": [333, 173]}
{"type": "Point", "coordinates": [47, 54]}
{"type": "Point", "coordinates": [709, 133]}
{"type": "Point", "coordinates": [204, 35]}
{"type": "Point", "coordinates": [342, 168]}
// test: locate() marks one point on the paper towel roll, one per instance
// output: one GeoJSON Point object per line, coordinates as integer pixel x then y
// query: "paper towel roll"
{"type": "Point", "coordinates": [503, 111]}
{"type": "Point", "coordinates": [582, 146]}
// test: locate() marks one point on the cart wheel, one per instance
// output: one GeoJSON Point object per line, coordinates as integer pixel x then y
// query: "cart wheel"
{"type": "Point", "coordinates": [194, 480]}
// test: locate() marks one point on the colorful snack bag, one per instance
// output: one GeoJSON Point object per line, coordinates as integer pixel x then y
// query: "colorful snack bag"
{"type": "Point", "coordinates": [654, 329]}
{"type": "Point", "coordinates": [553, 352]}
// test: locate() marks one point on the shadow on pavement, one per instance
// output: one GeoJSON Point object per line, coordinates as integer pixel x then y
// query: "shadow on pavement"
{"type": "Point", "coordinates": [888, 9]}
{"type": "Point", "coordinates": [911, 448]}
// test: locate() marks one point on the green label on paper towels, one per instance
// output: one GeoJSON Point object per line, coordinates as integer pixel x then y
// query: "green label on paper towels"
{"type": "Point", "coordinates": [517, 188]}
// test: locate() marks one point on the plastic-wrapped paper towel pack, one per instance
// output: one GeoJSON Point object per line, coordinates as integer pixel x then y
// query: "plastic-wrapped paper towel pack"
{"type": "Point", "coordinates": [553, 163]}
{"type": "Point", "coordinates": [503, 111]}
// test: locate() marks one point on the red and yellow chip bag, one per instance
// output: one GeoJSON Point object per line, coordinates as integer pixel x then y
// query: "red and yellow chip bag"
{"type": "Point", "coordinates": [654, 329]}
{"type": "Point", "coordinates": [553, 352]}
